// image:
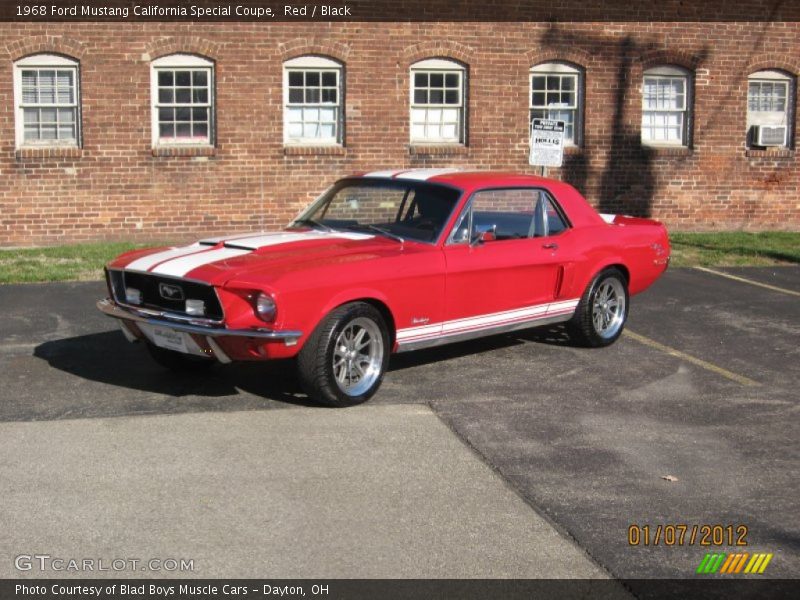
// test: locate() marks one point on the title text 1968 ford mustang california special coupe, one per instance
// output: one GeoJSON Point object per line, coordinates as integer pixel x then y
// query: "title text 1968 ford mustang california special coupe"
{"type": "Point", "coordinates": [389, 261]}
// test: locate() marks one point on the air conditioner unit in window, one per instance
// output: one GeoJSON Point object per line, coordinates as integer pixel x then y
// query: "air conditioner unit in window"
{"type": "Point", "coordinates": [771, 135]}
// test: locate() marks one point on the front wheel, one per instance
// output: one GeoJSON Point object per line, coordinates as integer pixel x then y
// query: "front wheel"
{"type": "Point", "coordinates": [602, 311]}
{"type": "Point", "coordinates": [344, 360]}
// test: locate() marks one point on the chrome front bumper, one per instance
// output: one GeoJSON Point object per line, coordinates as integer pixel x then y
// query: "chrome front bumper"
{"type": "Point", "coordinates": [189, 325]}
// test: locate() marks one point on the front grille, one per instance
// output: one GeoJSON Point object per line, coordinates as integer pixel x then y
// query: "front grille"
{"type": "Point", "coordinates": [148, 285]}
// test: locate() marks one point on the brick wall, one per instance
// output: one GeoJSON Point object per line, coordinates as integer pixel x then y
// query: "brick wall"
{"type": "Point", "coordinates": [116, 187]}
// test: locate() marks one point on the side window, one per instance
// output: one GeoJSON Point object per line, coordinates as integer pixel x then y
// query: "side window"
{"type": "Point", "coordinates": [509, 215]}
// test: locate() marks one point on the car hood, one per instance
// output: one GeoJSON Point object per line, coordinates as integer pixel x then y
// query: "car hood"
{"type": "Point", "coordinates": [218, 260]}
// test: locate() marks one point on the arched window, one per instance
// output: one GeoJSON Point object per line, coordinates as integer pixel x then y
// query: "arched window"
{"type": "Point", "coordinates": [182, 94]}
{"type": "Point", "coordinates": [312, 101]}
{"type": "Point", "coordinates": [666, 102]}
{"type": "Point", "coordinates": [770, 97]}
{"type": "Point", "coordinates": [438, 91]}
{"type": "Point", "coordinates": [47, 102]}
{"type": "Point", "coordinates": [556, 91]}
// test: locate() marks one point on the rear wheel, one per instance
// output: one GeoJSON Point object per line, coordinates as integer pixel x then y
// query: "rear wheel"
{"type": "Point", "coordinates": [344, 360]}
{"type": "Point", "coordinates": [602, 311]}
{"type": "Point", "coordinates": [178, 361]}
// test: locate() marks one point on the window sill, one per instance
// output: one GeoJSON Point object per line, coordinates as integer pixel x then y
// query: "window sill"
{"type": "Point", "coordinates": [322, 150]}
{"type": "Point", "coordinates": [184, 151]}
{"type": "Point", "coordinates": [31, 152]}
{"type": "Point", "coordinates": [438, 150]}
{"type": "Point", "coordinates": [769, 153]}
{"type": "Point", "coordinates": [667, 150]}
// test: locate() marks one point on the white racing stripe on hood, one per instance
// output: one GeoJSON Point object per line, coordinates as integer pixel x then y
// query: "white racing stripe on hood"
{"type": "Point", "coordinates": [149, 261]}
{"type": "Point", "coordinates": [182, 264]}
{"type": "Point", "coordinates": [275, 239]}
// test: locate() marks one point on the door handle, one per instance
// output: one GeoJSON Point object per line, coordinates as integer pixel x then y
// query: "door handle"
{"type": "Point", "coordinates": [550, 246]}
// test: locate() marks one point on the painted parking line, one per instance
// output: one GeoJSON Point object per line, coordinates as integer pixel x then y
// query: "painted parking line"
{"type": "Point", "coordinates": [691, 359]}
{"type": "Point", "coordinates": [774, 288]}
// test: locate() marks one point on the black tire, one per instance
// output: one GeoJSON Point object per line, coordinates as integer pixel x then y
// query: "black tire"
{"type": "Point", "coordinates": [178, 361]}
{"type": "Point", "coordinates": [315, 362]}
{"type": "Point", "coordinates": [582, 327]}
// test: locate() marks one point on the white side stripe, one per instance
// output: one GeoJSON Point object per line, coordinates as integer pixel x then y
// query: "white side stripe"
{"type": "Point", "coordinates": [181, 266]}
{"type": "Point", "coordinates": [146, 262]}
{"type": "Point", "coordinates": [530, 313]}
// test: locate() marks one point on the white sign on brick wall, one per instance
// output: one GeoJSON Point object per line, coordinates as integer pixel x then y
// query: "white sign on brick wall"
{"type": "Point", "coordinates": [547, 143]}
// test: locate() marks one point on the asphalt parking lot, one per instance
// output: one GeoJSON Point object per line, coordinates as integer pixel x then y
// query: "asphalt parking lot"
{"type": "Point", "coordinates": [513, 456]}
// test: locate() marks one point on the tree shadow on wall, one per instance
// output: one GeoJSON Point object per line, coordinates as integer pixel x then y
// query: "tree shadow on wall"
{"type": "Point", "coordinates": [628, 181]}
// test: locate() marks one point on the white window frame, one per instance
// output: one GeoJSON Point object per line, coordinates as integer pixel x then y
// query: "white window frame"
{"type": "Point", "coordinates": [669, 73]}
{"type": "Point", "coordinates": [46, 62]}
{"type": "Point", "coordinates": [444, 67]}
{"type": "Point", "coordinates": [181, 62]}
{"type": "Point", "coordinates": [771, 118]}
{"type": "Point", "coordinates": [321, 65]}
{"type": "Point", "coordinates": [561, 70]}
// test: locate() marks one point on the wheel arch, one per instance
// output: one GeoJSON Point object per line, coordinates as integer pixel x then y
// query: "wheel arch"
{"type": "Point", "coordinates": [371, 297]}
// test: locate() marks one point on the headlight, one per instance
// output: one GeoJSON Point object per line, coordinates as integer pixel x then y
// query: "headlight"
{"type": "Point", "coordinates": [265, 307]}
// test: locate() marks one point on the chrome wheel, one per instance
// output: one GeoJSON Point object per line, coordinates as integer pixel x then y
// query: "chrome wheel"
{"type": "Point", "coordinates": [608, 308]}
{"type": "Point", "coordinates": [358, 356]}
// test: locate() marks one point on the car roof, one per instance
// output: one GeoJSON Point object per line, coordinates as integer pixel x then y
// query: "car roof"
{"type": "Point", "coordinates": [463, 179]}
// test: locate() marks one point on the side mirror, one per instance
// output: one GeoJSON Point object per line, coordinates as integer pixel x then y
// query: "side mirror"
{"type": "Point", "coordinates": [483, 234]}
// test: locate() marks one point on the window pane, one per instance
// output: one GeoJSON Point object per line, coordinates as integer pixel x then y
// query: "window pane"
{"type": "Point", "coordinates": [47, 95]}
{"type": "Point", "coordinates": [66, 132]}
{"type": "Point", "coordinates": [295, 130]}
{"type": "Point", "coordinates": [48, 131]}
{"type": "Point", "coordinates": [451, 80]}
{"type": "Point", "coordinates": [199, 114]}
{"type": "Point", "coordinates": [200, 78]}
{"type": "Point", "coordinates": [183, 114]}
{"type": "Point", "coordinates": [329, 79]}
{"type": "Point", "coordinates": [420, 79]}
{"type": "Point", "coordinates": [165, 78]}
{"type": "Point", "coordinates": [31, 133]}
{"type": "Point", "coordinates": [451, 97]}
{"type": "Point", "coordinates": [48, 115]}
{"type": "Point", "coordinates": [449, 131]}
{"type": "Point", "coordinates": [329, 95]}
{"type": "Point", "coordinates": [420, 96]}
{"type": "Point", "coordinates": [47, 78]}
{"type": "Point", "coordinates": [418, 132]}
{"type": "Point", "coordinates": [312, 78]}
{"type": "Point", "coordinates": [312, 96]}
{"type": "Point", "coordinates": [31, 116]}
{"type": "Point", "coordinates": [553, 82]}
{"type": "Point", "coordinates": [200, 96]}
{"type": "Point", "coordinates": [166, 114]}
{"type": "Point", "coordinates": [166, 130]}
{"type": "Point", "coordinates": [183, 96]}
{"type": "Point", "coordinates": [437, 79]}
{"type": "Point", "coordinates": [183, 130]}
{"type": "Point", "coordinates": [296, 95]}
{"type": "Point", "coordinates": [296, 78]}
{"type": "Point", "coordinates": [183, 78]}
{"type": "Point", "coordinates": [538, 99]}
{"type": "Point", "coordinates": [165, 96]}
{"type": "Point", "coordinates": [310, 130]}
{"type": "Point", "coordinates": [327, 115]}
{"type": "Point", "coordinates": [437, 96]}
{"type": "Point", "coordinates": [65, 95]}
{"type": "Point", "coordinates": [200, 129]}
{"type": "Point", "coordinates": [327, 130]}
{"type": "Point", "coordinates": [539, 83]}
{"type": "Point", "coordinates": [568, 83]}
{"type": "Point", "coordinates": [66, 116]}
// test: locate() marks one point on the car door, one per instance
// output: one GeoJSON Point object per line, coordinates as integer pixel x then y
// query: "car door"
{"type": "Point", "coordinates": [512, 273]}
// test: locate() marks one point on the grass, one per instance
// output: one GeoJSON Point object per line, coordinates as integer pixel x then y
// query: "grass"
{"type": "Point", "coordinates": [735, 248]}
{"type": "Point", "coordinates": [85, 261]}
{"type": "Point", "coordinates": [76, 262]}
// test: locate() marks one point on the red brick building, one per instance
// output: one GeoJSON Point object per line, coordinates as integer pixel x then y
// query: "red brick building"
{"type": "Point", "coordinates": [170, 130]}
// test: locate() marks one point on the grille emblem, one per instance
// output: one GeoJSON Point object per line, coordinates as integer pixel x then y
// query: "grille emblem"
{"type": "Point", "coordinates": [170, 292]}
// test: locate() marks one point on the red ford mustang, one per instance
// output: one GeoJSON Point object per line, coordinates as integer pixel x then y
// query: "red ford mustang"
{"type": "Point", "coordinates": [386, 262]}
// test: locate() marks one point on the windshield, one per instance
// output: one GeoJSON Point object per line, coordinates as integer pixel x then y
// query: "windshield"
{"type": "Point", "coordinates": [400, 209]}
